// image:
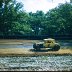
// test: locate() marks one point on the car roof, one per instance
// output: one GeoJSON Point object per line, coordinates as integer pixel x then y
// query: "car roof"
{"type": "Point", "coordinates": [49, 39]}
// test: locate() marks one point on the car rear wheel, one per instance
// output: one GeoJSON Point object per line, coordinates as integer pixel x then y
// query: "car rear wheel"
{"type": "Point", "coordinates": [56, 47]}
{"type": "Point", "coordinates": [36, 48]}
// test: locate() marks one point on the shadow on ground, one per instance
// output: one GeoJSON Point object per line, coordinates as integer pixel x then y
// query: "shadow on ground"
{"type": "Point", "coordinates": [33, 50]}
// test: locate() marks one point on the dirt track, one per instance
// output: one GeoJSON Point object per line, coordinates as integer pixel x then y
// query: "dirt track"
{"type": "Point", "coordinates": [28, 52]}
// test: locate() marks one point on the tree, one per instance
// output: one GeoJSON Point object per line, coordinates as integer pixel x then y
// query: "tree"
{"type": "Point", "coordinates": [65, 11]}
{"type": "Point", "coordinates": [13, 19]}
{"type": "Point", "coordinates": [8, 12]}
{"type": "Point", "coordinates": [59, 20]}
{"type": "Point", "coordinates": [70, 1]}
{"type": "Point", "coordinates": [35, 21]}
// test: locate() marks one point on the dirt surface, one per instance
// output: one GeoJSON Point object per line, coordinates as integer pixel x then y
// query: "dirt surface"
{"type": "Point", "coordinates": [28, 52]}
{"type": "Point", "coordinates": [16, 41]}
{"type": "Point", "coordinates": [18, 55]}
{"type": "Point", "coordinates": [25, 51]}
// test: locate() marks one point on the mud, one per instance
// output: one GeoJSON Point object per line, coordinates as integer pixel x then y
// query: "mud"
{"type": "Point", "coordinates": [17, 55]}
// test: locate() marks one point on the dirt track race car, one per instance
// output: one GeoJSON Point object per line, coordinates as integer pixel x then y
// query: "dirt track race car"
{"type": "Point", "coordinates": [47, 44]}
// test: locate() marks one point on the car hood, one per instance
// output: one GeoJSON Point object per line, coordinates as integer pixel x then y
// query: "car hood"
{"type": "Point", "coordinates": [40, 43]}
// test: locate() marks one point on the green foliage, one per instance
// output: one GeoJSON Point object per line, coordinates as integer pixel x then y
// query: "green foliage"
{"type": "Point", "coordinates": [15, 21]}
{"type": "Point", "coordinates": [12, 18]}
{"type": "Point", "coordinates": [59, 20]}
{"type": "Point", "coordinates": [36, 21]}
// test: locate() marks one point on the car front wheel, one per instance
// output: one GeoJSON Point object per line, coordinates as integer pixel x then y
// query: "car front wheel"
{"type": "Point", "coordinates": [56, 47]}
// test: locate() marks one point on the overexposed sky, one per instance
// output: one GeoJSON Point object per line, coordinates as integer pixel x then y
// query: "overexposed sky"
{"type": "Point", "coordinates": [44, 5]}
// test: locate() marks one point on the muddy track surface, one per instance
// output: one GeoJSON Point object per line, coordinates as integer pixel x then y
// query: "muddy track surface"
{"type": "Point", "coordinates": [25, 48]}
{"type": "Point", "coordinates": [29, 52]}
{"type": "Point", "coordinates": [18, 55]}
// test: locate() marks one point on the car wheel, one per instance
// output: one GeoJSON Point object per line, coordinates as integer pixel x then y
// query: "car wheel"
{"type": "Point", "coordinates": [56, 47]}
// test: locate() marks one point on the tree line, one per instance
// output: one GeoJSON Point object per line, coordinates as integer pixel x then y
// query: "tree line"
{"type": "Point", "coordinates": [15, 21]}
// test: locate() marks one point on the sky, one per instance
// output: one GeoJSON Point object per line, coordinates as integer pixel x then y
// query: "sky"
{"type": "Point", "coordinates": [44, 5]}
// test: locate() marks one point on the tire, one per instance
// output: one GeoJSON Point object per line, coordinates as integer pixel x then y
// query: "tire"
{"type": "Point", "coordinates": [34, 45]}
{"type": "Point", "coordinates": [56, 47]}
{"type": "Point", "coordinates": [36, 48]}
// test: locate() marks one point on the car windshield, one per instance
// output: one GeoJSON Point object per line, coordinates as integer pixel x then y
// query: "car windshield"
{"type": "Point", "coordinates": [49, 41]}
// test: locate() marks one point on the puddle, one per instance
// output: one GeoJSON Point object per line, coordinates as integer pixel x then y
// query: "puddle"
{"type": "Point", "coordinates": [30, 45]}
